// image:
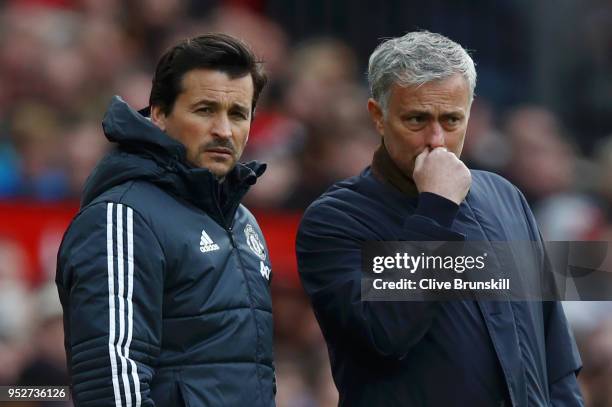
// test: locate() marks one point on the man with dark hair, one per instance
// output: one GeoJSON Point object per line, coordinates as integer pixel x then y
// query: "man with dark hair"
{"type": "Point", "coordinates": [163, 275]}
{"type": "Point", "coordinates": [428, 353]}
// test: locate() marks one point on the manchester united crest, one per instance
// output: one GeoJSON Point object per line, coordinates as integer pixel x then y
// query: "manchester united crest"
{"type": "Point", "coordinates": [252, 238]}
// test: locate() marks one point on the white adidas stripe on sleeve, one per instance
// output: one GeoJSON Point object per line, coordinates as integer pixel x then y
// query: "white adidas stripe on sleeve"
{"type": "Point", "coordinates": [116, 345]}
{"type": "Point", "coordinates": [130, 243]}
{"type": "Point", "coordinates": [111, 302]}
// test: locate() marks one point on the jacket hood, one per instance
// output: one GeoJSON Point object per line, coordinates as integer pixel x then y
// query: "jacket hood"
{"type": "Point", "coordinates": [145, 152]}
{"type": "Point", "coordinates": [127, 127]}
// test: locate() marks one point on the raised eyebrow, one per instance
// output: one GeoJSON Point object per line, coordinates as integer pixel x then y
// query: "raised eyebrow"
{"type": "Point", "coordinates": [205, 102]}
{"type": "Point", "coordinates": [416, 113]}
{"type": "Point", "coordinates": [240, 107]}
{"type": "Point", "coordinates": [456, 113]}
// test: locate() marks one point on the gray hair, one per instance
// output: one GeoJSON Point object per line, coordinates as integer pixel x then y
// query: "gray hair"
{"type": "Point", "coordinates": [414, 59]}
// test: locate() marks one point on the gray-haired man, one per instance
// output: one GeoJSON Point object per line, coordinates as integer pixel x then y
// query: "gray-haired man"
{"type": "Point", "coordinates": [455, 353]}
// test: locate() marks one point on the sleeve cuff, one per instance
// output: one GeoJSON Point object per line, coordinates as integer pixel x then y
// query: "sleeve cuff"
{"type": "Point", "coordinates": [438, 208]}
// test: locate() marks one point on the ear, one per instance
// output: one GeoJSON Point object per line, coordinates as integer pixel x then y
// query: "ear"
{"type": "Point", "coordinates": [377, 115]}
{"type": "Point", "coordinates": [158, 117]}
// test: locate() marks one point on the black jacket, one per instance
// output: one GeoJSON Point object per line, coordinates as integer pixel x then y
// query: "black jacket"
{"type": "Point", "coordinates": [164, 280]}
{"type": "Point", "coordinates": [455, 353]}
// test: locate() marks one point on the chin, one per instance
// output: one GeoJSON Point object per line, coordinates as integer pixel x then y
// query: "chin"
{"type": "Point", "coordinates": [218, 170]}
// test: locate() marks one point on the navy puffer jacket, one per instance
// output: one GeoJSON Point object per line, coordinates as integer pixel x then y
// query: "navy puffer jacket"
{"type": "Point", "coordinates": [164, 280]}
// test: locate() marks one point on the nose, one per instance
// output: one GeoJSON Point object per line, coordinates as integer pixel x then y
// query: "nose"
{"type": "Point", "coordinates": [222, 127]}
{"type": "Point", "coordinates": [435, 136]}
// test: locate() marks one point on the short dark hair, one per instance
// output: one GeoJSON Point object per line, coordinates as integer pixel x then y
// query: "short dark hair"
{"type": "Point", "coordinates": [216, 51]}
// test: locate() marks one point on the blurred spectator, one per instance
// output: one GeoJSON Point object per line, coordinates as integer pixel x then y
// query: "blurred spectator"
{"type": "Point", "coordinates": [340, 144]}
{"type": "Point", "coordinates": [85, 144]}
{"type": "Point", "coordinates": [9, 170]}
{"type": "Point", "coordinates": [316, 68]}
{"type": "Point", "coordinates": [303, 371]}
{"type": "Point", "coordinates": [292, 388]}
{"type": "Point", "coordinates": [107, 10]}
{"type": "Point", "coordinates": [543, 165]}
{"type": "Point", "coordinates": [47, 364]}
{"type": "Point", "coordinates": [15, 312]}
{"type": "Point", "coordinates": [323, 134]}
{"type": "Point", "coordinates": [596, 375]}
{"type": "Point", "coordinates": [134, 87]}
{"type": "Point", "coordinates": [150, 22]}
{"type": "Point", "coordinates": [568, 216]}
{"type": "Point", "coordinates": [282, 176]}
{"type": "Point", "coordinates": [485, 147]}
{"type": "Point", "coordinates": [603, 156]}
{"type": "Point", "coordinates": [268, 40]}
{"type": "Point", "coordinates": [38, 144]}
{"type": "Point", "coordinates": [96, 38]}
{"type": "Point", "coordinates": [538, 147]}
{"type": "Point", "coordinates": [349, 133]}
{"type": "Point", "coordinates": [15, 319]}
{"type": "Point", "coordinates": [12, 262]}
{"type": "Point", "coordinates": [322, 95]}
{"type": "Point", "coordinates": [585, 71]}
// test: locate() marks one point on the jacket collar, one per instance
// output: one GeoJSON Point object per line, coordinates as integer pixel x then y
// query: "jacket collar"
{"type": "Point", "coordinates": [385, 170]}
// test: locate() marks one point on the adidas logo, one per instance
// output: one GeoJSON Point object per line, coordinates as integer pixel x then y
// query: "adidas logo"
{"type": "Point", "coordinates": [206, 243]}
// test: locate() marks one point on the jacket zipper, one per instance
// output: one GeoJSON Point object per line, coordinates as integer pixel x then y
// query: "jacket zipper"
{"type": "Point", "coordinates": [230, 233]}
{"type": "Point", "coordinates": [228, 226]}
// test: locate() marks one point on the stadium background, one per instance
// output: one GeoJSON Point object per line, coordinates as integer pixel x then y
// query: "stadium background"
{"type": "Point", "coordinates": [542, 117]}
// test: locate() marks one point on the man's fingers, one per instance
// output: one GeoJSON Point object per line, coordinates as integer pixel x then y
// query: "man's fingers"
{"type": "Point", "coordinates": [439, 151]}
{"type": "Point", "coordinates": [418, 162]}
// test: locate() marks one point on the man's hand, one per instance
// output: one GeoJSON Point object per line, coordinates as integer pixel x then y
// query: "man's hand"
{"type": "Point", "coordinates": [440, 172]}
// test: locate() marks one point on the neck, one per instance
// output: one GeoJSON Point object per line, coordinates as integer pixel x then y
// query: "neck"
{"type": "Point", "coordinates": [385, 170]}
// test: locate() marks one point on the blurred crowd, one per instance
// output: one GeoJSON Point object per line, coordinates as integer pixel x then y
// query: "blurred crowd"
{"type": "Point", "coordinates": [545, 126]}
